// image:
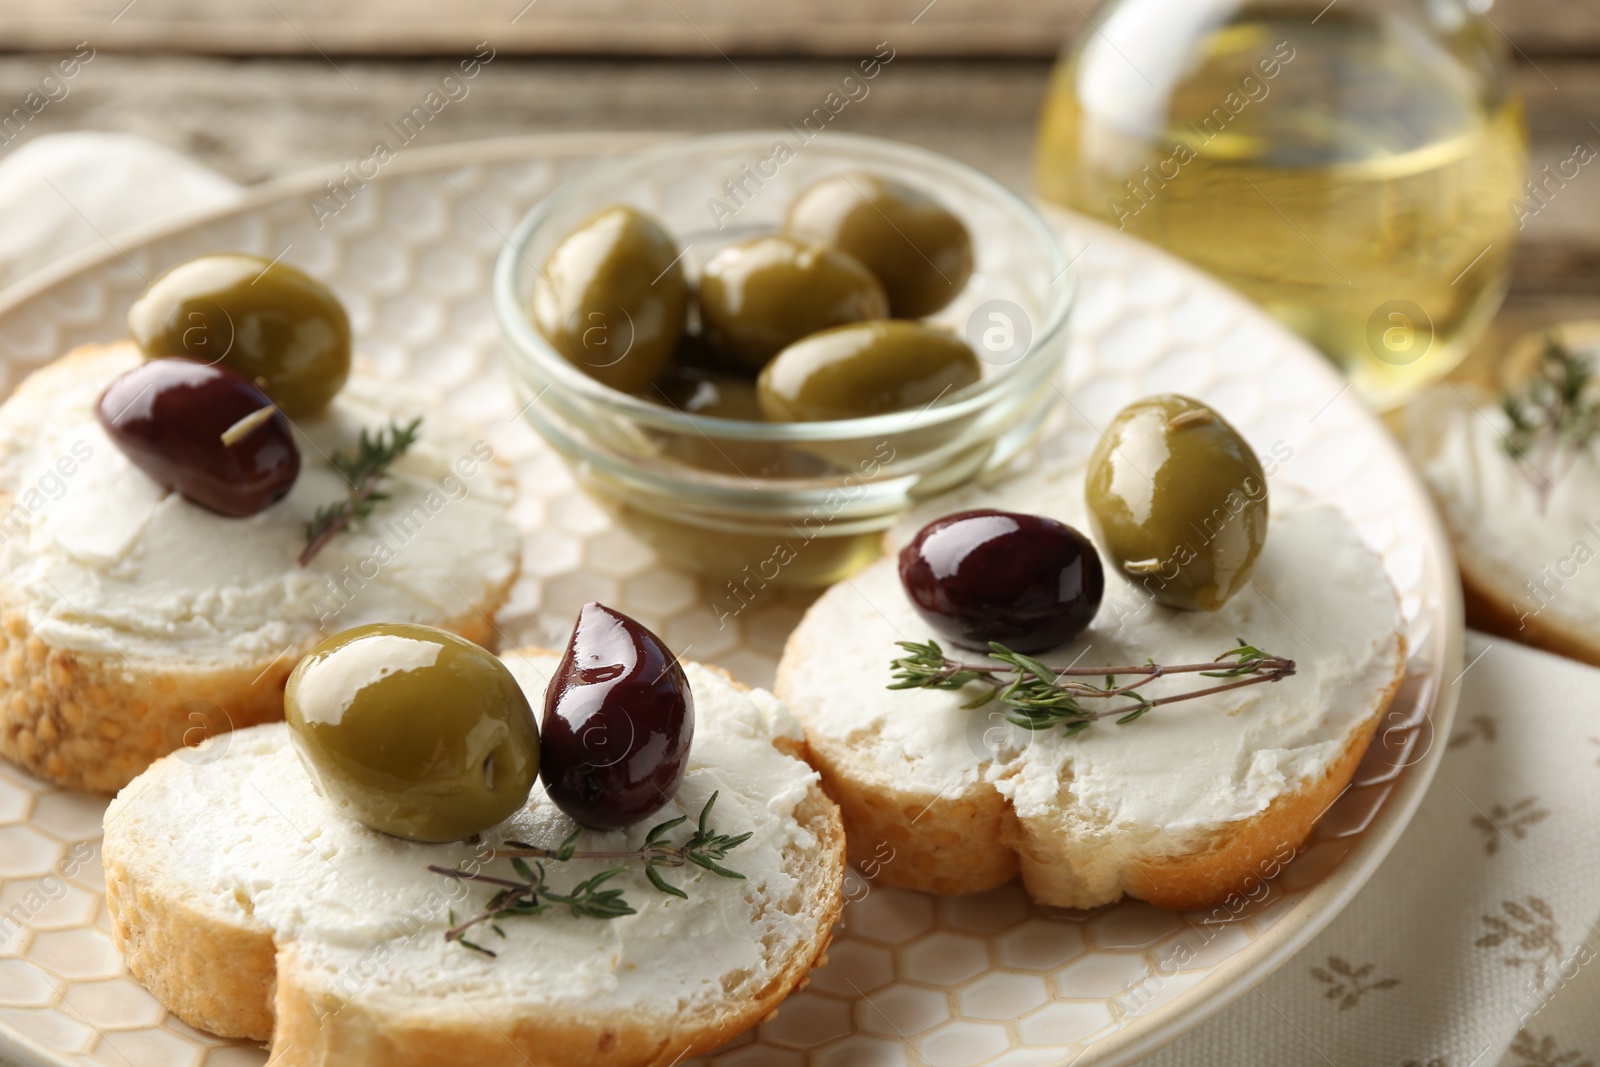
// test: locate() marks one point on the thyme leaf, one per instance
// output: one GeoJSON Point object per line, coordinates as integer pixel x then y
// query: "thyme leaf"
{"type": "Point", "coordinates": [1553, 418]}
{"type": "Point", "coordinates": [1042, 697]}
{"type": "Point", "coordinates": [531, 893]}
{"type": "Point", "coordinates": [364, 470]}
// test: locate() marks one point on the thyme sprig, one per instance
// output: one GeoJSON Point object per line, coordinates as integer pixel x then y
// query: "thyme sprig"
{"type": "Point", "coordinates": [364, 470]}
{"type": "Point", "coordinates": [1553, 418]}
{"type": "Point", "coordinates": [530, 893]}
{"type": "Point", "coordinates": [1041, 697]}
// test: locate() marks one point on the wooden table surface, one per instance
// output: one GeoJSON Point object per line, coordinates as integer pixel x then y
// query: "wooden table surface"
{"type": "Point", "coordinates": [280, 85]}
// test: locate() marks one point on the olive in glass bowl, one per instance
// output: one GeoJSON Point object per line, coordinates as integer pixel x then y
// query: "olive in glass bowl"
{"type": "Point", "coordinates": [866, 368]}
{"type": "Point", "coordinates": [761, 295]}
{"type": "Point", "coordinates": [918, 248]}
{"type": "Point", "coordinates": [611, 298]}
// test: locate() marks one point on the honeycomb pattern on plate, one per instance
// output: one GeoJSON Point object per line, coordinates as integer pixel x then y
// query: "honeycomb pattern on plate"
{"type": "Point", "coordinates": [984, 980]}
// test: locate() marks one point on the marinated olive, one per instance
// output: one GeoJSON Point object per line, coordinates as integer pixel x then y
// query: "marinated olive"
{"type": "Point", "coordinates": [706, 392]}
{"type": "Point", "coordinates": [760, 295]}
{"type": "Point", "coordinates": [1028, 582]}
{"type": "Point", "coordinates": [866, 368]}
{"type": "Point", "coordinates": [917, 247]}
{"type": "Point", "coordinates": [1179, 501]}
{"type": "Point", "coordinates": [612, 298]}
{"type": "Point", "coordinates": [276, 325]}
{"type": "Point", "coordinates": [618, 721]}
{"type": "Point", "coordinates": [204, 431]}
{"type": "Point", "coordinates": [413, 731]}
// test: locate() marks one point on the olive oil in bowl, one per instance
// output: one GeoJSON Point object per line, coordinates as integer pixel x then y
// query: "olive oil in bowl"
{"type": "Point", "coordinates": [1354, 167]}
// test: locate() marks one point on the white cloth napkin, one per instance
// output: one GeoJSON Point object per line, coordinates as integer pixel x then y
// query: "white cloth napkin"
{"type": "Point", "coordinates": [1474, 945]}
{"type": "Point", "coordinates": [68, 191]}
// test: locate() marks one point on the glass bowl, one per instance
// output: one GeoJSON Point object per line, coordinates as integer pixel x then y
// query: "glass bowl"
{"type": "Point", "coordinates": [794, 504]}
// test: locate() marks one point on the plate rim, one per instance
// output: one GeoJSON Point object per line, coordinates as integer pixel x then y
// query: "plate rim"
{"type": "Point", "coordinates": [1225, 982]}
{"type": "Point", "coordinates": [305, 182]}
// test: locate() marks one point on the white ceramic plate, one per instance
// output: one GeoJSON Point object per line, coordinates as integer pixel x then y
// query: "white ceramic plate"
{"type": "Point", "coordinates": [912, 979]}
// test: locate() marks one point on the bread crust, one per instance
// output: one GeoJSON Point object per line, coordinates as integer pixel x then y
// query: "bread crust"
{"type": "Point", "coordinates": [968, 841]}
{"type": "Point", "coordinates": [1491, 608]}
{"type": "Point", "coordinates": [91, 721]}
{"type": "Point", "coordinates": [228, 977]}
{"type": "Point", "coordinates": [95, 721]}
{"type": "Point", "coordinates": [210, 970]}
{"type": "Point", "coordinates": [948, 843]}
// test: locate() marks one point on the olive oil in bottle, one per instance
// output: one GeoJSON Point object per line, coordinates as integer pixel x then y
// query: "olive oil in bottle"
{"type": "Point", "coordinates": [1351, 167]}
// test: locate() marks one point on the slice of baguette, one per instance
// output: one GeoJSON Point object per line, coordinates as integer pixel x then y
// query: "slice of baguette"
{"type": "Point", "coordinates": [1525, 553]}
{"type": "Point", "coordinates": [133, 622]}
{"type": "Point", "coordinates": [1185, 806]}
{"type": "Point", "coordinates": [251, 908]}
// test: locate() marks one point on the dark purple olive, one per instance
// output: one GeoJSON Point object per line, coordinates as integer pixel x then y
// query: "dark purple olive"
{"type": "Point", "coordinates": [205, 431]}
{"type": "Point", "coordinates": [618, 720]}
{"type": "Point", "coordinates": [1028, 582]}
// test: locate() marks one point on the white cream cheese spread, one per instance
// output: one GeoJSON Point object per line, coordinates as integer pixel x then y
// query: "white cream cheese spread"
{"type": "Point", "coordinates": [107, 561]}
{"type": "Point", "coordinates": [1535, 533]}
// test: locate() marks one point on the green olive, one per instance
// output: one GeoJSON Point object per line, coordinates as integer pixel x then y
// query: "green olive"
{"type": "Point", "coordinates": [1178, 501]}
{"type": "Point", "coordinates": [867, 368]}
{"type": "Point", "coordinates": [761, 295]}
{"type": "Point", "coordinates": [916, 246]}
{"type": "Point", "coordinates": [612, 298]}
{"type": "Point", "coordinates": [413, 731]}
{"type": "Point", "coordinates": [271, 322]}
{"type": "Point", "coordinates": [698, 391]}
